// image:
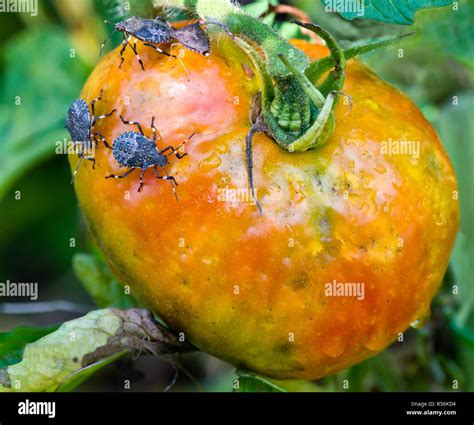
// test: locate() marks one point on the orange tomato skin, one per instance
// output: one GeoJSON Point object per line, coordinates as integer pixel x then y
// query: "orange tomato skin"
{"type": "Point", "coordinates": [255, 291]}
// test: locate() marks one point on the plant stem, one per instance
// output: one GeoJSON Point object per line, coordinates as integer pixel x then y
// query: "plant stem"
{"type": "Point", "coordinates": [291, 106]}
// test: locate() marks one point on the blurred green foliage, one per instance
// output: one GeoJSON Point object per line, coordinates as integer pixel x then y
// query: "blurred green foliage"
{"type": "Point", "coordinates": [99, 282]}
{"type": "Point", "coordinates": [44, 62]}
{"type": "Point", "coordinates": [13, 343]}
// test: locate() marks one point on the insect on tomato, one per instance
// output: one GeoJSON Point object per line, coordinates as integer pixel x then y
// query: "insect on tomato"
{"type": "Point", "coordinates": [253, 289]}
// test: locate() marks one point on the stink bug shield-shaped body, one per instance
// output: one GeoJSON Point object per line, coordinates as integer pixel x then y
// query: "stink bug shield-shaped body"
{"type": "Point", "coordinates": [134, 150]}
{"type": "Point", "coordinates": [80, 123]}
{"type": "Point", "coordinates": [157, 31]}
{"type": "Point", "coordinates": [194, 38]}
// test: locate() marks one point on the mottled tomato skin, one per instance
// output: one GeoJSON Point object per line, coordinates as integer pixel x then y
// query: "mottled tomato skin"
{"type": "Point", "coordinates": [251, 289]}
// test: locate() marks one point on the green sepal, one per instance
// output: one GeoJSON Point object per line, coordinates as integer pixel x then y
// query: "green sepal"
{"type": "Point", "coordinates": [319, 67]}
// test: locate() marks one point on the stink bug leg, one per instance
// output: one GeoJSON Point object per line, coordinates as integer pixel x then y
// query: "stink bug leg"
{"type": "Point", "coordinates": [132, 123]}
{"type": "Point", "coordinates": [98, 135]}
{"type": "Point", "coordinates": [120, 176]}
{"type": "Point", "coordinates": [94, 119]}
{"type": "Point", "coordinates": [125, 43]}
{"type": "Point", "coordinates": [175, 151]}
{"type": "Point", "coordinates": [134, 48]}
{"type": "Point", "coordinates": [159, 50]}
{"type": "Point", "coordinates": [171, 179]}
{"type": "Point", "coordinates": [156, 133]}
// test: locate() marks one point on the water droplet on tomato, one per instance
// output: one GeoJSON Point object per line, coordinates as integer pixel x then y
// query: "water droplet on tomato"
{"type": "Point", "coordinates": [211, 162]}
{"type": "Point", "coordinates": [379, 168]}
{"type": "Point", "coordinates": [376, 342]}
{"type": "Point", "coordinates": [333, 348]}
{"type": "Point", "coordinates": [275, 187]}
{"type": "Point", "coordinates": [222, 148]}
{"type": "Point", "coordinates": [209, 260]}
{"type": "Point", "coordinates": [421, 321]}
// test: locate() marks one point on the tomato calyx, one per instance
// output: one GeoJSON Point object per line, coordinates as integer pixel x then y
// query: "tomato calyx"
{"type": "Point", "coordinates": [298, 115]}
{"type": "Point", "coordinates": [292, 108]}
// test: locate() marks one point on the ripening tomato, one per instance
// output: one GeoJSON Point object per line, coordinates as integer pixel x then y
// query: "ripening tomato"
{"type": "Point", "coordinates": [354, 238]}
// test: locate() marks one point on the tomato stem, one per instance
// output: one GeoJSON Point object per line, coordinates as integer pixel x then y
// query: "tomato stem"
{"type": "Point", "coordinates": [288, 112]}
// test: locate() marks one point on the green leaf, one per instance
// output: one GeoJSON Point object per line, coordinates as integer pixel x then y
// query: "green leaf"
{"type": "Point", "coordinates": [12, 344]}
{"type": "Point", "coordinates": [251, 382]}
{"type": "Point", "coordinates": [260, 9]}
{"type": "Point", "coordinates": [83, 374]}
{"type": "Point", "coordinates": [41, 80]}
{"type": "Point", "coordinates": [99, 282]}
{"type": "Point", "coordinates": [388, 11]}
{"type": "Point", "coordinates": [289, 30]}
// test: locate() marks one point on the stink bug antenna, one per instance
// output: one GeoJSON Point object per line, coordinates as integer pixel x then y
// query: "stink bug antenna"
{"type": "Point", "coordinates": [108, 37]}
{"type": "Point", "coordinates": [77, 168]}
{"type": "Point", "coordinates": [175, 150]}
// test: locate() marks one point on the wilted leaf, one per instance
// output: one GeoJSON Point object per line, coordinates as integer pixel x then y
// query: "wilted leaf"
{"type": "Point", "coordinates": [392, 12]}
{"type": "Point", "coordinates": [50, 362]}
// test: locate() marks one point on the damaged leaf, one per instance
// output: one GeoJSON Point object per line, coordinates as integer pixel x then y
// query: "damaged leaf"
{"type": "Point", "coordinates": [66, 357]}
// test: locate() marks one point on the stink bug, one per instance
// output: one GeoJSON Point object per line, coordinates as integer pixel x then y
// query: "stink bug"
{"type": "Point", "coordinates": [80, 123]}
{"type": "Point", "coordinates": [156, 31]}
{"type": "Point", "coordinates": [134, 150]}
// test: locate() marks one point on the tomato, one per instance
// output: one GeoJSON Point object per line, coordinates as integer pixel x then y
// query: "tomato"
{"type": "Point", "coordinates": [354, 238]}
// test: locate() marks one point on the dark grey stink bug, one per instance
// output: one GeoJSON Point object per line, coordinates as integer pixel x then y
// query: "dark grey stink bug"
{"type": "Point", "coordinates": [80, 123]}
{"type": "Point", "coordinates": [134, 150]}
{"type": "Point", "coordinates": [156, 31]}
